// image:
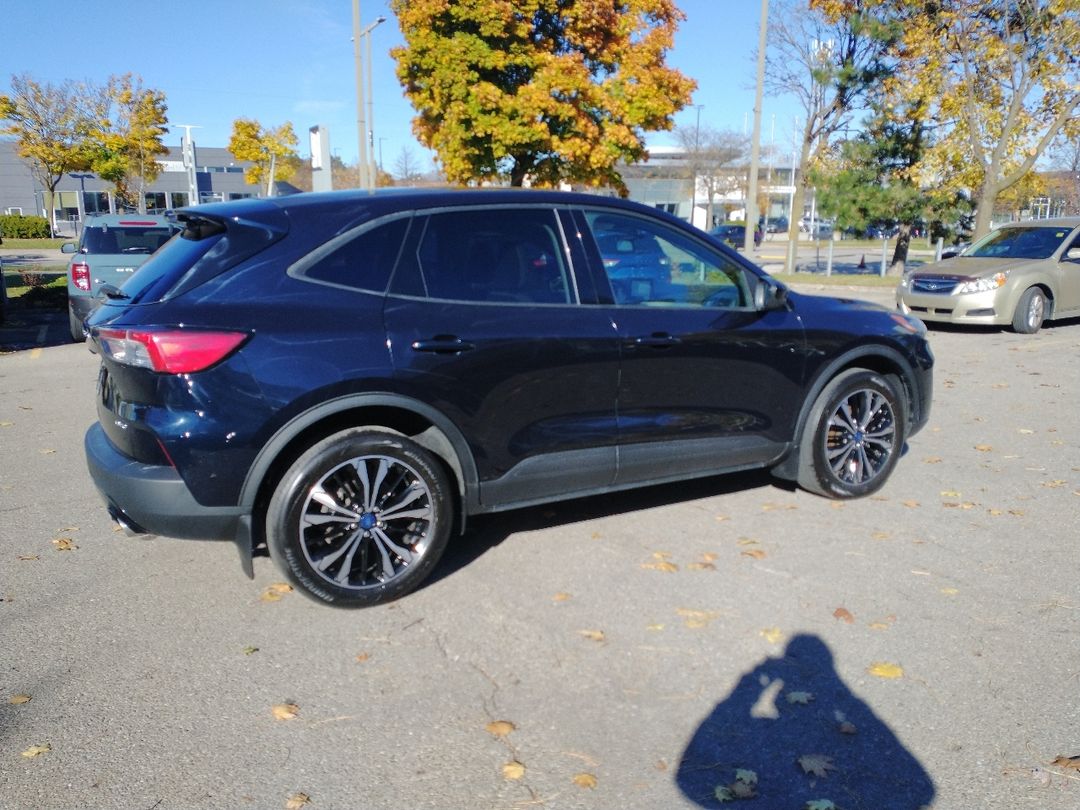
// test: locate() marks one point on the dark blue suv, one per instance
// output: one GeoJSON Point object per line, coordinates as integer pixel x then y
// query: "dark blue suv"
{"type": "Point", "coordinates": [346, 377]}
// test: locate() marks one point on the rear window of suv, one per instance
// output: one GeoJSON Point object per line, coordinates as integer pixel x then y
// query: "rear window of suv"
{"type": "Point", "coordinates": [124, 239]}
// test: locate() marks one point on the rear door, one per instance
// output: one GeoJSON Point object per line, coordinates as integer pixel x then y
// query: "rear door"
{"type": "Point", "coordinates": [485, 324]}
{"type": "Point", "coordinates": [708, 382]}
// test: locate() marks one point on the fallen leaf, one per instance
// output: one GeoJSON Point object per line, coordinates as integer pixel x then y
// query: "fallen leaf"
{"type": "Point", "coordinates": [697, 618]}
{"type": "Point", "coordinates": [593, 635]}
{"type": "Point", "coordinates": [747, 541]}
{"type": "Point", "coordinates": [1068, 763]}
{"type": "Point", "coordinates": [722, 518]}
{"type": "Point", "coordinates": [1054, 484]}
{"type": "Point", "coordinates": [746, 776]}
{"type": "Point", "coordinates": [297, 801]}
{"type": "Point", "coordinates": [665, 566]}
{"type": "Point", "coordinates": [911, 504]}
{"type": "Point", "coordinates": [816, 764]}
{"type": "Point", "coordinates": [773, 635]}
{"type": "Point", "coordinates": [250, 650]}
{"type": "Point", "coordinates": [16, 700]}
{"type": "Point", "coordinates": [847, 727]}
{"type": "Point", "coordinates": [29, 557]}
{"type": "Point", "coordinates": [275, 591]}
{"type": "Point", "coordinates": [723, 794]}
{"type": "Point", "coordinates": [843, 614]}
{"type": "Point", "coordinates": [285, 711]}
{"type": "Point", "coordinates": [654, 627]}
{"type": "Point", "coordinates": [363, 657]}
{"type": "Point", "coordinates": [36, 750]}
{"type": "Point", "coordinates": [585, 780]}
{"type": "Point", "coordinates": [881, 535]}
{"type": "Point", "coordinates": [933, 460]}
{"type": "Point", "coordinates": [949, 493]}
{"type": "Point", "coordinates": [6, 424]}
{"type": "Point", "coordinates": [756, 553]}
{"type": "Point", "coordinates": [46, 451]}
{"type": "Point", "coordinates": [500, 728]}
{"type": "Point", "coordinates": [701, 566]}
{"type": "Point", "coordinates": [883, 669]}
{"type": "Point", "coordinates": [561, 596]}
{"type": "Point", "coordinates": [709, 556]}
{"type": "Point", "coordinates": [513, 770]}
{"type": "Point", "coordinates": [950, 591]}
{"type": "Point", "coordinates": [64, 544]}
{"type": "Point", "coordinates": [801, 698]}
{"type": "Point", "coordinates": [1026, 431]}
{"type": "Point", "coordinates": [984, 448]}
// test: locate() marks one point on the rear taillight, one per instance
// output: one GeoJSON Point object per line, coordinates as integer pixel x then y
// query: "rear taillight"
{"type": "Point", "coordinates": [80, 276]}
{"type": "Point", "coordinates": [170, 351]}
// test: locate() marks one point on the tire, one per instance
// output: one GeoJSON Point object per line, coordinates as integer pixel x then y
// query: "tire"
{"type": "Point", "coordinates": [1030, 311]}
{"type": "Point", "coordinates": [75, 327]}
{"type": "Point", "coordinates": [853, 436]}
{"type": "Point", "coordinates": [361, 518]}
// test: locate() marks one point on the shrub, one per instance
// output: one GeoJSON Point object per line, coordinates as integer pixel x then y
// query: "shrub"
{"type": "Point", "coordinates": [17, 226]}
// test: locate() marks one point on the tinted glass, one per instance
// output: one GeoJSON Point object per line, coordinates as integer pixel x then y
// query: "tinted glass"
{"type": "Point", "coordinates": [651, 264]}
{"type": "Point", "coordinates": [510, 256]}
{"type": "Point", "coordinates": [115, 239]}
{"type": "Point", "coordinates": [1020, 243]}
{"type": "Point", "coordinates": [360, 261]}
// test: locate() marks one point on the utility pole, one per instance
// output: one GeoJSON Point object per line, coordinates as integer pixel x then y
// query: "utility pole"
{"type": "Point", "coordinates": [755, 145]}
{"type": "Point", "coordinates": [187, 150]}
{"type": "Point", "coordinates": [361, 119]}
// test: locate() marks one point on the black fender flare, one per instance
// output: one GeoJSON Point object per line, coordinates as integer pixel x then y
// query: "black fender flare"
{"type": "Point", "coordinates": [443, 439]}
{"type": "Point", "coordinates": [789, 466]}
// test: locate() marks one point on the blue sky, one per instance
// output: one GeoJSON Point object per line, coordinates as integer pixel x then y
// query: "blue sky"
{"type": "Point", "coordinates": [292, 60]}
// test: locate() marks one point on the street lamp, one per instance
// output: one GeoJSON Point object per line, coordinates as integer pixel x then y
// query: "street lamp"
{"type": "Point", "coordinates": [363, 119]}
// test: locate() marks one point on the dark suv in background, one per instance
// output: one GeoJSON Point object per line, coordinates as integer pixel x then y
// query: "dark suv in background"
{"type": "Point", "coordinates": [348, 376]}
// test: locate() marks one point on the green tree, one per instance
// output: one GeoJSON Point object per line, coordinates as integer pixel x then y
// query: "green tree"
{"type": "Point", "coordinates": [130, 139]}
{"type": "Point", "coordinates": [268, 150]}
{"type": "Point", "coordinates": [1000, 78]}
{"type": "Point", "coordinates": [53, 127]}
{"type": "Point", "coordinates": [549, 90]}
{"type": "Point", "coordinates": [870, 179]}
{"type": "Point", "coordinates": [829, 55]}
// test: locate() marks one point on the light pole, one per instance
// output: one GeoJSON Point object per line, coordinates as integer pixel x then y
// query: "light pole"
{"type": "Point", "coordinates": [81, 177]}
{"type": "Point", "coordinates": [362, 55]}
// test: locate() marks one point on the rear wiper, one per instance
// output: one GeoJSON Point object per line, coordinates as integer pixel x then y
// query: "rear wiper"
{"type": "Point", "coordinates": [113, 292]}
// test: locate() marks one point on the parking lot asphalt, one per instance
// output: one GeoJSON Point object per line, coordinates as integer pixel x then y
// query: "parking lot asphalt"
{"type": "Point", "coordinates": [642, 650]}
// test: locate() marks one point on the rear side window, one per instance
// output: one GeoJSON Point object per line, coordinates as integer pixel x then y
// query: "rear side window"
{"type": "Point", "coordinates": [116, 239]}
{"type": "Point", "coordinates": [360, 261]}
{"type": "Point", "coordinates": [487, 255]}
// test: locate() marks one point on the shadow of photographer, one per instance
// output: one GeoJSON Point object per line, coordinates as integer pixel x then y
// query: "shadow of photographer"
{"type": "Point", "coordinates": [791, 735]}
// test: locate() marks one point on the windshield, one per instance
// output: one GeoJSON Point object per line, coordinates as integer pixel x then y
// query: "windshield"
{"type": "Point", "coordinates": [1031, 242]}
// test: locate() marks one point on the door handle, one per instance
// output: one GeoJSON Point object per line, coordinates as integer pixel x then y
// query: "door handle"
{"type": "Point", "coordinates": [442, 344]}
{"type": "Point", "coordinates": [657, 340]}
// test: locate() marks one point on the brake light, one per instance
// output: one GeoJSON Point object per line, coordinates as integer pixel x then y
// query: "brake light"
{"type": "Point", "coordinates": [80, 276]}
{"type": "Point", "coordinates": [169, 351]}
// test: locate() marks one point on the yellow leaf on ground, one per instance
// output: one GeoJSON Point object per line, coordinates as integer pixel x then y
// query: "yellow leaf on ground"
{"type": "Point", "coordinates": [274, 592]}
{"type": "Point", "coordinates": [773, 635]}
{"type": "Point", "coordinates": [29, 557]}
{"type": "Point", "coordinates": [561, 597]}
{"type": "Point", "coordinates": [665, 566]}
{"type": "Point", "coordinates": [285, 711]}
{"type": "Point", "coordinates": [585, 780]}
{"type": "Point", "coordinates": [950, 591]}
{"type": "Point", "coordinates": [949, 493]}
{"type": "Point", "coordinates": [883, 669]}
{"type": "Point", "coordinates": [36, 750]}
{"type": "Point", "coordinates": [500, 728]}
{"type": "Point", "coordinates": [697, 618]}
{"type": "Point", "coordinates": [747, 541]}
{"type": "Point", "coordinates": [756, 553]}
{"type": "Point", "coordinates": [984, 448]}
{"type": "Point", "coordinates": [911, 504]}
{"type": "Point", "coordinates": [513, 770]}
{"type": "Point", "coordinates": [16, 700]}
{"type": "Point", "coordinates": [933, 460]}
{"type": "Point", "coordinates": [296, 801]}
{"type": "Point", "coordinates": [593, 635]}
{"type": "Point", "coordinates": [64, 544]}
{"type": "Point", "coordinates": [701, 566]}
{"type": "Point", "coordinates": [363, 657]}
{"type": "Point", "coordinates": [1068, 763]}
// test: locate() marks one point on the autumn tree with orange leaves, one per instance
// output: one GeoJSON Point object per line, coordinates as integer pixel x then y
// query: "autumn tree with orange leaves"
{"type": "Point", "coordinates": [549, 90]}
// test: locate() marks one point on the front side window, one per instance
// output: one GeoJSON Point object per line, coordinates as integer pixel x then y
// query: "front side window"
{"type": "Point", "coordinates": [651, 264]}
{"type": "Point", "coordinates": [493, 256]}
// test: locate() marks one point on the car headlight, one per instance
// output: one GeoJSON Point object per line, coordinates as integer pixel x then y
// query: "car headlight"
{"type": "Point", "coordinates": [978, 285]}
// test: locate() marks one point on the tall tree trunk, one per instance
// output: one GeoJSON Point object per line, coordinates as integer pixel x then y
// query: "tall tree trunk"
{"type": "Point", "coordinates": [984, 211]}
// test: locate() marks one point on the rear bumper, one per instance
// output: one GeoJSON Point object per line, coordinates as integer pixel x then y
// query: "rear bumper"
{"type": "Point", "coordinates": [154, 499]}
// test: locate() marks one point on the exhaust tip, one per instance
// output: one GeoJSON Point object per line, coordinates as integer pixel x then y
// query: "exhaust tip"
{"type": "Point", "coordinates": [130, 527]}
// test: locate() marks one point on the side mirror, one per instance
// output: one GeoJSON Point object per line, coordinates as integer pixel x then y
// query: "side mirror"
{"type": "Point", "coordinates": [68, 247]}
{"type": "Point", "coordinates": [769, 294]}
{"type": "Point", "coordinates": [1073, 254]}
